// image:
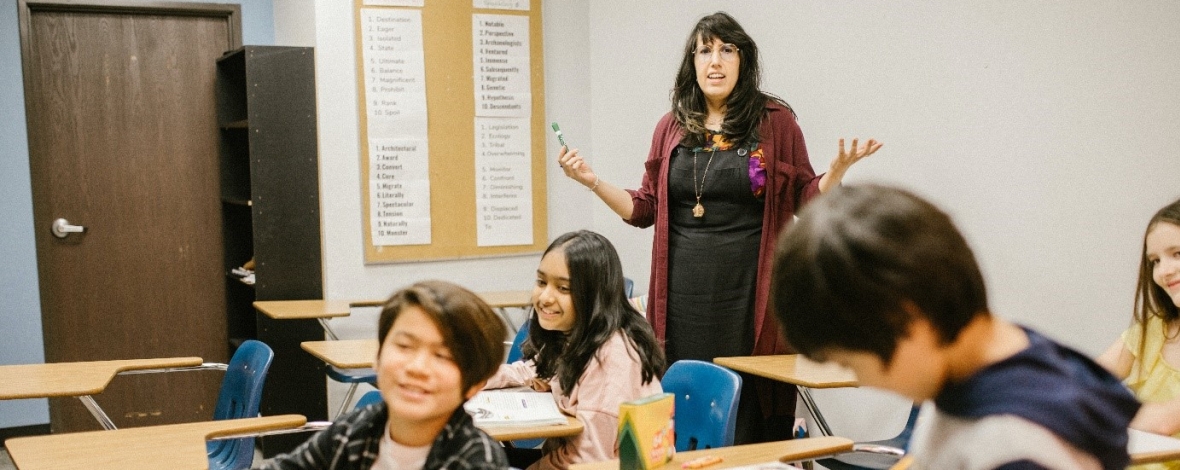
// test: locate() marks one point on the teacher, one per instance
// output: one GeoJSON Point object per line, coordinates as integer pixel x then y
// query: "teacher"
{"type": "Point", "coordinates": [726, 170]}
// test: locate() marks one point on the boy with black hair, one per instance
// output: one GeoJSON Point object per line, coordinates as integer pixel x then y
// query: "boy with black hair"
{"type": "Point", "coordinates": [438, 344]}
{"type": "Point", "coordinates": [881, 281]}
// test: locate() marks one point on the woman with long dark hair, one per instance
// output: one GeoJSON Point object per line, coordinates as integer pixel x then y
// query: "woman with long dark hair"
{"type": "Point", "coordinates": [726, 170]}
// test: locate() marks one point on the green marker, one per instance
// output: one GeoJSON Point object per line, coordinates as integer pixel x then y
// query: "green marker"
{"type": "Point", "coordinates": [560, 139]}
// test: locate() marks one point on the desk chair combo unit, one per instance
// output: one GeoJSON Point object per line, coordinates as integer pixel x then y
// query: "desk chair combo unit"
{"type": "Point", "coordinates": [876, 455]}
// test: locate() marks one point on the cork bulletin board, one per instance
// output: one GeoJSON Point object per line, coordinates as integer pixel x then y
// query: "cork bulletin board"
{"type": "Point", "coordinates": [475, 208]}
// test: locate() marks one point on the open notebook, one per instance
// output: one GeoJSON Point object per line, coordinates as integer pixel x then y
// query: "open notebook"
{"type": "Point", "coordinates": [523, 408]}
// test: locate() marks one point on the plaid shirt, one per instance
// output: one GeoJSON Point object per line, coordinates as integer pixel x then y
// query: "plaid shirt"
{"type": "Point", "coordinates": [354, 440]}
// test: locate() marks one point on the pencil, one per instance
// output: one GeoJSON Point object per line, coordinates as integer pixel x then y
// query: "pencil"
{"type": "Point", "coordinates": [701, 462]}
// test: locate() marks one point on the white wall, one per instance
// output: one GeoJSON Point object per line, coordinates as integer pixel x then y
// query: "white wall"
{"type": "Point", "coordinates": [1042, 127]}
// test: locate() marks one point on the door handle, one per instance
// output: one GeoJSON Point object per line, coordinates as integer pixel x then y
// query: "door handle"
{"type": "Point", "coordinates": [62, 228]}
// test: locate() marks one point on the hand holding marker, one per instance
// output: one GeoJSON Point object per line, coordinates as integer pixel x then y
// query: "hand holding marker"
{"type": "Point", "coordinates": [560, 139]}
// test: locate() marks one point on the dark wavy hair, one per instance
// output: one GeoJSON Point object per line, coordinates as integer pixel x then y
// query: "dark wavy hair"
{"type": "Point", "coordinates": [746, 105]}
{"type": "Point", "coordinates": [1151, 300]}
{"type": "Point", "coordinates": [601, 308]}
{"type": "Point", "coordinates": [469, 327]}
{"type": "Point", "coordinates": [861, 262]}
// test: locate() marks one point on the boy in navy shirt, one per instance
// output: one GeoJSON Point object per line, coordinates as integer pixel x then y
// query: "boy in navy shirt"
{"type": "Point", "coordinates": [881, 281]}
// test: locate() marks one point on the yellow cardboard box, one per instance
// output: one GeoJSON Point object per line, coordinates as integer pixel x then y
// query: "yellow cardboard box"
{"type": "Point", "coordinates": [647, 436]}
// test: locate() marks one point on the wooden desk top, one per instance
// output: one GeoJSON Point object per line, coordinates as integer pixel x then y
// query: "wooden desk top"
{"type": "Point", "coordinates": [304, 309]}
{"type": "Point", "coordinates": [71, 379]}
{"type": "Point", "coordinates": [173, 446]}
{"type": "Point", "coordinates": [507, 299]}
{"type": "Point", "coordinates": [344, 353]}
{"type": "Point", "coordinates": [749, 454]}
{"type": "Point", "coordinates": [512, 433]}
{"type": "Point", "coordinates": [793, 369]}
{"type": "Point", "coordinates": [315, 309]}
{"type": "Point", "coordinates": [1146, 447]}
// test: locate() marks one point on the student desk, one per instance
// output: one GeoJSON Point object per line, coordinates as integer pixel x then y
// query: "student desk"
{"type": "Point", "coordinates": [572, 427]}
{"type": "Point", "coordinates": [344, 353]}
{"type": "Point", "coordinates": [83, 379]}
{"type": "Point", "coordinates": [1146, 447]}
{"type": "Point", "coordinates": [172, 446]}
{"type": "Point", "coordinates": [747, 454]}
{"type": "Point", "coordinates": [322, 310]}
{"type": "Point", "coordinates": [318, 310]}
{"type": "Point", "coordinates": [796, 370]}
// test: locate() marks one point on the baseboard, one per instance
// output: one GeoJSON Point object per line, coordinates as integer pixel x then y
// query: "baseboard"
{"type": "Point", "coordinates": [21, 431]}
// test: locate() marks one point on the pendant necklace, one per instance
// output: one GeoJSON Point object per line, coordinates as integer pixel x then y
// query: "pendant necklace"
{"type": "Point", "coordinates": [698, 211]}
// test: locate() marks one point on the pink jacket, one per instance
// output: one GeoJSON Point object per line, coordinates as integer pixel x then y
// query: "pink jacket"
{"type": "Point", "coordinates": [614, 376]}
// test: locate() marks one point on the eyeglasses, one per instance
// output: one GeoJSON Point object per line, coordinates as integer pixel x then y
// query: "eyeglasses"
{"type": "Point", "coordinates": [729, 52]}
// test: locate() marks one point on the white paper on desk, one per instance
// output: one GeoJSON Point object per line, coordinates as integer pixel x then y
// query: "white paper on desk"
{"type": "Point", "coordinates": [504, 408]}
{"type": "Point", "coordinates": [1142, 442]}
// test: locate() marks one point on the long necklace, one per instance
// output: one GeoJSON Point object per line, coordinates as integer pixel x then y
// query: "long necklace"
{"type": "Point", "coordinates": [698, 211]}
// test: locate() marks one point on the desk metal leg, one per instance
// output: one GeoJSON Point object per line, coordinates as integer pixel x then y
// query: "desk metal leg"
{"type": "Point", "coordinates": [327, 329]}
{"type": "Point", "coordinates": [809, 402]}
{"type": "Point", "coordinates": [507, 320]}
{"type": "Point", "coordinates": [96, 410]}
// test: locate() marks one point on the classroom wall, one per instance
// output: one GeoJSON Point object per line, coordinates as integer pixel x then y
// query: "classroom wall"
{"type": "Point", "coordinates": [20, 313]}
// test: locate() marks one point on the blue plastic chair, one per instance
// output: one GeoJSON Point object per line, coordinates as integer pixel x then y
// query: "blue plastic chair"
{"type": "Point", "coordinates": [874, 455]}
{"type": "Point", "coordinates": [513, 356]}
{"type": "Point", "coordinates": [240, 397]}
{"type": "Point", "coordinates": [369, 398]}
{"type": "Point", "coordinates": [354, 377]}
{"type": "Point", "coordinates": [706, 403]}
{"type": "Point", "coordinates": [514, 350]}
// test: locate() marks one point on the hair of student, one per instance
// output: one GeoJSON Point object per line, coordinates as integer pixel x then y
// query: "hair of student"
{"type": "Point", "coordinates": [745, 106]}
{"type": "Point", "coordinates": [469, 327]}
{"type": "Point", "coordinates": [601, 308]}
{"type": "Point", "coordinates": [1151, 300]}
{"type": "Point", "coordinates": [861, 261]}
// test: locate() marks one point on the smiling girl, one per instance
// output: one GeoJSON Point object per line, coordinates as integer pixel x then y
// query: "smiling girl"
{"type": "Point", "coordinates": [1147, 355]}
{"type": "Point", "coordinates": [587, 345]}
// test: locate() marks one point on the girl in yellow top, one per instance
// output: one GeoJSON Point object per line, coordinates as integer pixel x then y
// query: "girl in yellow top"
{"type": "Point", "coordinates": [1147, 355]}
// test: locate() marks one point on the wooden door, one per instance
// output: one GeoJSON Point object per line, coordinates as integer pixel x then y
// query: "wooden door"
{"type": "Point", "coordinates": [123, 141]}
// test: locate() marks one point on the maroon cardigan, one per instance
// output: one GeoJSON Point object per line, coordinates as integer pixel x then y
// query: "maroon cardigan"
{"type": "Point", "coordinates": [790, 182]}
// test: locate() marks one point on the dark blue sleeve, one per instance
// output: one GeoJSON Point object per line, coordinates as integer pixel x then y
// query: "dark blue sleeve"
{"type": "Point", "coordinates": [1021, 465]}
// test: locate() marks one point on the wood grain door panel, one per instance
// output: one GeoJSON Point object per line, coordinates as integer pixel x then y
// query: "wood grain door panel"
{"type": "Point", "coordinates": [123, 140]}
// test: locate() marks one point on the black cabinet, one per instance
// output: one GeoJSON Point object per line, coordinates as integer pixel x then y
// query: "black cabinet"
{"type": "Point", "coordinates": [271, 213]}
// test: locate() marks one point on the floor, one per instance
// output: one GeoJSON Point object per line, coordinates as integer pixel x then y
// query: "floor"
{"type": "Point", "coordinates": [5, 462]}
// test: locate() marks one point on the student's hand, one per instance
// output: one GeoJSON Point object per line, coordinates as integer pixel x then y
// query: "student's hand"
{"type": "Point", "coordinates": [1158, 418]}
{"type": "Point", "coordinates": [575, 167]}
{"type": "Point", "coordinates": [539, 385]}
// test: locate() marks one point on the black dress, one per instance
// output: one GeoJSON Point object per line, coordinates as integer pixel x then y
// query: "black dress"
{"type": "Point", "coordinates": [713, 259]}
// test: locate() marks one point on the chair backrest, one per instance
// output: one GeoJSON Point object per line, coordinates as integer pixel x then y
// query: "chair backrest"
{"type": "Point", "coordinates": [628, 287]}
{"type": "Point", "coordinates": [514, 350]}
{"type": "Point", "coordinates": [706, 403]}
{"type": "Point", "coordinates": [369, 398]}
{"type": "Point", "coordinates": [240, 397]}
